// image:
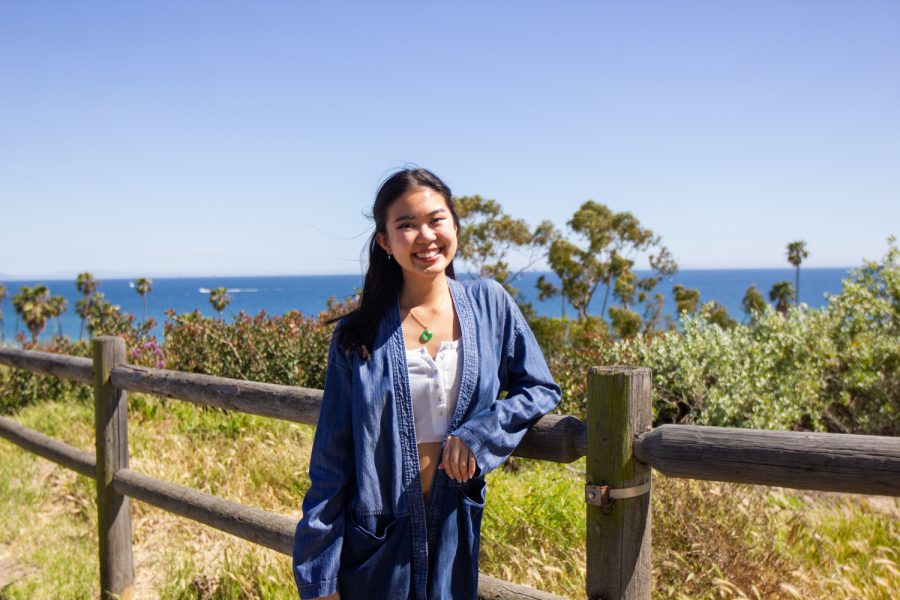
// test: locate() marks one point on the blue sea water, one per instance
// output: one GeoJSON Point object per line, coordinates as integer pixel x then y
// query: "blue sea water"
{"type": "Point", "coordinates": [309, 294]}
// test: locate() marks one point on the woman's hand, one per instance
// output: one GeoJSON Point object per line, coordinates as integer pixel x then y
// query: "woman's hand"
{"type": "Point", "coordinates": [458, 461]}
{"type": "Point", "coordinates": [334, 596]}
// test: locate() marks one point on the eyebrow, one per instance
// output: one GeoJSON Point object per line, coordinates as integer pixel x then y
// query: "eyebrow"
{"type": "Point", "coordinates": [413, 218]}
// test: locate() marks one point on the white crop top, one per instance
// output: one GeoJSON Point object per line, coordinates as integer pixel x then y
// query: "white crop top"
{"type": "Point", "coordinates": [434, 386]}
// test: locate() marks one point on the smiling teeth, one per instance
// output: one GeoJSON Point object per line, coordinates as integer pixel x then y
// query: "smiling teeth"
{"type": "Point", "coordinates": [428, 254]}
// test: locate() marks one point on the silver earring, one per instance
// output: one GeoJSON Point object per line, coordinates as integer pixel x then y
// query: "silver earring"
{"type": "Point", "coordinates": [389, 256]}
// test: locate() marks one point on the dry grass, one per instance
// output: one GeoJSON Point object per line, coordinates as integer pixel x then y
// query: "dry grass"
{"type": "Point", "coordinates": [710, 540]}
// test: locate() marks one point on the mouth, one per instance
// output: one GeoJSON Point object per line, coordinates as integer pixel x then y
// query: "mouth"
{"type": "Point", "coordinates": [428, 254]}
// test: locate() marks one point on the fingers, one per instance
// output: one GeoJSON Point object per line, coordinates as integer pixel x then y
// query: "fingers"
{"type": "Point", "coordinates": [458, 461]}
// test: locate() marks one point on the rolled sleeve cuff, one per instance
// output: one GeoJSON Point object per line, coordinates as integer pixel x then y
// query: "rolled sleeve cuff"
{"type": "Point", "coordinates": [318, 589]}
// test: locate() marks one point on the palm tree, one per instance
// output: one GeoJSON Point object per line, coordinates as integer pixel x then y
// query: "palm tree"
{"type": "Point", "coordinates": [781, 294]}
{"type": "Point", "coordinates": [58, 305]}
{"type": "Point", "coordinates": [219, 299]}
{"type": "Point", "coordinates": [796, 252]}
{"type": "Point", "coordinates": [143, 287]}
{"type": "Point", "coordinates": [33, 305]}
{"type": "Point", "coordinates": [87, 285]}
{"type": "Point", "coordinates": [3, 294]}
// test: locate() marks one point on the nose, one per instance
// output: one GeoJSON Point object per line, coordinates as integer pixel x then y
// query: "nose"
{"type": "Point", "coordinates": [426, 233]}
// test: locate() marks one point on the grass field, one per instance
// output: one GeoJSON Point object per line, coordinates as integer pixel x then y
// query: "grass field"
{"type": "Point", "coordinates": [709, 540]}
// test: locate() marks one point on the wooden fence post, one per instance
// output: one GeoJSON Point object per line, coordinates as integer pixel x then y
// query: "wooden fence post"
{"type": "Point", "coordinates": [113, 510]}
{"type": "Point", "coordinates": [618, 516]}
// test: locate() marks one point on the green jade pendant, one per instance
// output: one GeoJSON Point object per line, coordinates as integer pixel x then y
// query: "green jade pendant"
{"type": "Point", "coordinates": [426, 336]}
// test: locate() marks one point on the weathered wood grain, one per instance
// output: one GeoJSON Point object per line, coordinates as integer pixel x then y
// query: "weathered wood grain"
{"type": "Point", "coordinates": [113, 508]}
{"type": "Point", "coordinates": [300, 405]}
{"type": "Point", "coordinates": [252, 524]}
{"type": "Point", "coordinates": [618, 535]}
{"type": "Point", "coordinates": [860, 464]}
{"type": "Point", "coordinates": [556, 438]}
{"type": "Point", "coordinates": [74, 368]}
{"type": "Point", "coordinates": [497, 589]}
{"type": "Point", "coordinates": [49, 448]}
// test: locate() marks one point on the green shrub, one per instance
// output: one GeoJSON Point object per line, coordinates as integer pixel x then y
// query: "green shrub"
{"type": "Point", "coordinates": [830, 369]}
{"type": "Point", "coordinates": [289, 349]}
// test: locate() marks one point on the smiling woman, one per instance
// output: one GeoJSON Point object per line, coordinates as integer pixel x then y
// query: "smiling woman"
{"type": "Point", "coordinates": [421, 235]}
{"type": "Point", "coordinates": [411, 419]}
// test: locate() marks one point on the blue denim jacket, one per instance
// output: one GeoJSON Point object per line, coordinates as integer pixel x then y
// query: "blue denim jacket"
{"type": "Point", "coordinates": [366, 530]}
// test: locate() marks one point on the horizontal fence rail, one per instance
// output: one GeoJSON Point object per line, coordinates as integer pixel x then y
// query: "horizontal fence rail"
{"type": "Point", "coordinates": [73, 368]}
{"type": "Point", "coordinates": [290, 403]}
{"type": "Point", "coordinates": [37, 443]}
{"type": "Point", "coordinates": [555, 438]}
{"type": "Point", "coordinates": [860, 464]}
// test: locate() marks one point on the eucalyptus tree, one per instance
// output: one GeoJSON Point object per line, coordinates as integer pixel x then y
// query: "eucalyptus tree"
{"type": "Point", "coordinates": [608, 243]}
{"type": "Point", "coordinates": [781, 294]}
{"type": "Point", "coordinates": [87, 285]}
{"type": "Point", "coordinates": [32, 304]}
{"type": "Point", "coordinates": [487, 237]}
{"type": "Point", "coordinates": [716, 313]}
{"type": "Point", "coordinates": [796, 253]}
{"type": "Point", "coordinates": [219, 299]}
{"type": "Point", "coordinates": [686, 299]}
{"type": "Point", "coordinates": [58, 305]}
{"type": "Point", "coordinates": [753, 303]}
{"type": "Point", "coordinates": [143, 286]}
{"type": "Point", "coordinates": [3, 294]}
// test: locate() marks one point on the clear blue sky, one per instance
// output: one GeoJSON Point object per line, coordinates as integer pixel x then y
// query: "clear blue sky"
{"type": "Point", "coordinates": [154, 138]}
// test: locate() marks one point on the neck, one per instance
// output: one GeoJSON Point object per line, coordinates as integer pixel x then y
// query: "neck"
{"type": "Point", "coordinates": [421, 292]}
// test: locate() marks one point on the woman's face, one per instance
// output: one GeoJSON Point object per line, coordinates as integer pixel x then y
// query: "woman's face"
{"type": "Point", "coordinates": [420, 233]}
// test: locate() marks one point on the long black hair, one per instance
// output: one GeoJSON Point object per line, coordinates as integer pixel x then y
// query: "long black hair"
{"type": "Point", "coordinates": [384, 277]}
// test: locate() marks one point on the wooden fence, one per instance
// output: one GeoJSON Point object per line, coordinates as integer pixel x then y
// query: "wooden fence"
{"type": "Point", "coordinates": [618, 441]}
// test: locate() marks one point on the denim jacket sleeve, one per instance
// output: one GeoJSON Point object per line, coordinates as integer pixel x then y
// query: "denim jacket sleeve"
{"type": "Point", "coordinates": [320, 533]}
{"type": "Point", "coordinates": [493, 433]}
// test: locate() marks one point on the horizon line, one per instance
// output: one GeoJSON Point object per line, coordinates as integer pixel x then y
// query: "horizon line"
{"type": "Point", "coordinates": [164, 275]}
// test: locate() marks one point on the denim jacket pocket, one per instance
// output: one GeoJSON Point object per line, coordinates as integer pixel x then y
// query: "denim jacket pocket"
{"type": "Point", "coordinates": [365, 537]}
{"type": "Point", "coordinates": [473, 492]}
{"type": "Point", "coordinates": [374, 557]}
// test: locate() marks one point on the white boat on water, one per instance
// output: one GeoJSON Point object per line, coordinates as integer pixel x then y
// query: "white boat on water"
{"type": "Point", "coordinates": [204, 290]}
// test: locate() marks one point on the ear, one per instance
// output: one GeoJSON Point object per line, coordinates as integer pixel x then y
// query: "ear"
{"type": "Point", "coordinates": [382, 241]}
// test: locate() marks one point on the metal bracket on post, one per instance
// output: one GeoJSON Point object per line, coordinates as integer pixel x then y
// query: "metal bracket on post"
{"type": "Point", "coordinates": [603, 495]}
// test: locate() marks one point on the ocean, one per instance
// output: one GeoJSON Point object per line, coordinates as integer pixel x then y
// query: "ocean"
{"type": "Point", "coordinates": [309, 294]}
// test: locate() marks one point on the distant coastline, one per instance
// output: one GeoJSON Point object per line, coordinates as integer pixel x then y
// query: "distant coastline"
{"type": "Point", "coordinates": [310, 293]}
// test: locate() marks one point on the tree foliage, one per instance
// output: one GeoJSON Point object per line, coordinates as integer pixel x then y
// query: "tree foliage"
{"type": "Point", "coordinates": [603, 259]}
{"type": "Point", "coordinates": [143, 286]}
{"type": "Point", "coordinates": [831, 369]}
{"type": "Point", "coordinates": [686, 299]}
{"type": "Point", "coordinates": [219, 299]}
{"type": "Point", "coordinates": [781, 294]}
{"type": "Point", "coordinates": [33, 306]}
{"type": "Point", "coordinates": [796, 254]}
{"type": "Point", "coordinates": [487, 237]}
{"type": "Point", "coordinates": [716, 313]}
{"type": "Point", "coordinates": [87, 285]}
{"type": "Point", "coordinates": [58, 305]}
{"type": "Point", "coordinates": [753, 302]}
